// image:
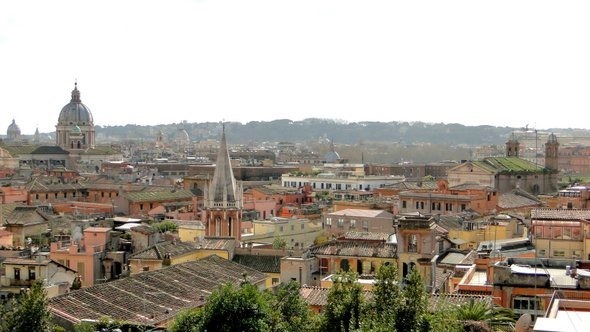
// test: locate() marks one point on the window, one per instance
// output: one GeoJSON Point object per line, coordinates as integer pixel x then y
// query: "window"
{"type": "Point", "coordinates": [292, 228]}
{"type": "Point", "coordinates": [542, 253]}
{"type": "Point", "coordinates": [365, 225]}
{"type": "Point", "coordinates": [302, 226]}
{"type": "Point", "coordinates": [527, 305]}
{"type": "Point", "coordinates": [558, 253]}
{"type": "Point", "coordinates": [329, 222]}
{"type": "Point", "coordinates": [404, 203]}
{"type": "Point", "coordinates": [275, 281]}
{"type": "Point", "coordinates": [16, 274]}
{"type": "Point", "coordinates": [352, 223]}
{"type": "Point", "coordinates": [141, 206]}
{"type": "Point", "coordinates": [32, 274]}
{"type": "Point", "coordinates": [340, 223]}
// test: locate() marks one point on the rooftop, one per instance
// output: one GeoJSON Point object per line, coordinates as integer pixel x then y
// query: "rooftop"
{"type": "Point", "coordinates": [153, 297]}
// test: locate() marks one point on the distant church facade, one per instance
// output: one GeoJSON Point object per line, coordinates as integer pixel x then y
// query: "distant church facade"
{"type": "Point", "coordinates": [505, 174]}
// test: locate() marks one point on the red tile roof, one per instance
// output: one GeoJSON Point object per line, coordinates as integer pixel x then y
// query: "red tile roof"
{"type": "Point", "coordinates": [153, 297]}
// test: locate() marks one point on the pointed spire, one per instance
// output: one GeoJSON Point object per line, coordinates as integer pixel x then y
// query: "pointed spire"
{"type": "Point", "coordinates": [223, 190]}
{"type": "Point", "coordinates": [76, 94]}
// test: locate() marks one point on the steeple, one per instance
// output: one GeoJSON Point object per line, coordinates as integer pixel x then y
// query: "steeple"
{"type": "Point", "coordinates": [223, 198]}
{"type": "Point", "coordinates": [223, 189]}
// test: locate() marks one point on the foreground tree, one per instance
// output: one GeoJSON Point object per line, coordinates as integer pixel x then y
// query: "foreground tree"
{"type": "Point", "coordinates": [388, 297]}
{"type": "Point", "coordinates": [481, 316]}
{"type": "Point", "coordinates": [30, 312]}
{"type": "Point", "coordinates": [345, 301]}
{"type": "Point", "coordinates": [410, 314]}
{"type": "Point", "coordinates": [230, 308]}
{"type": "Point", "coordinates": [294, 314]}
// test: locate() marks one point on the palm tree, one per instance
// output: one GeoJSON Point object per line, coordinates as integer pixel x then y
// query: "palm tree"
{"type": "Point", "coordinates": [480, 316]}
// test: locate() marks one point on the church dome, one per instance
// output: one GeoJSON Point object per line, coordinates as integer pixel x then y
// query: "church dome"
{"type": "Point", "coordinates": [75, 113]}
{"type": "Point", "coordinates": [13, 129]}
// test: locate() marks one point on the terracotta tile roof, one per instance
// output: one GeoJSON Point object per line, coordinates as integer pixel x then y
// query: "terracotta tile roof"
{"type": "Point", "coordinates": [25, 215]}
{"type": "Point", "coordinates": [371, 236]}
{"type": "Point", "coordinates": [217, 243]}
{"type": "Point", "coordinates": [413, 185]}
{"type": "Point", "coordinates": [262, 263]}
{"type": "Point", "coordinates": [438, 302]}
{"type": "Point", "coordinates": [153, 297]}
{"type": "Point", "coordinates": [317, 296]}
{"type": "Point", "coordinates": [561, 214]}
{"type": "Point", "coordinates": [517, 199]}
{"type": "Point", "coordinates": [434, 195]}
{"type": "Point", "coordinates": [354, 249]}
{"type": "Point", "coordinates": [26, 261]}
{"type": "Point", "coordinates": [143, 229]}
{"type": "Point", "coordinates": [159, 195]}
{"type": "Point", "coordinates": [6, 209]}
{"type": "Point", "coordinates": [158, 250]}
{"type": "Point", "coordinates": [470, 186]}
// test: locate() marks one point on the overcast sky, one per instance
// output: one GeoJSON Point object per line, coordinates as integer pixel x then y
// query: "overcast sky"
{"type": "Point", "coordinates": [502, 63]}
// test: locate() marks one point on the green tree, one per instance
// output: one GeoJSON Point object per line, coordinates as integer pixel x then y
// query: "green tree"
{"type": "Point", "coordinates": [30, 312]}
{"type": "Point", "coordinates": [279, 243]}
{"type": "Point", "coordinates": [230, 308]}
{"type": "Point", "coordinates": [387, 298]}
{"type": "Point", "coordinates": [165, 226]}
{"type": "Point", "coordinates": [410, 314]}
{"type": "Point", "coordinates": [481, 316]}
{"type": "Point", "coordinates": [294, 314]}
{"type": "Point", "coordinates": [345, 300]}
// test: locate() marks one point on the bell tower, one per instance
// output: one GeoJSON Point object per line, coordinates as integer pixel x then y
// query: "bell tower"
{"type": "Point", "coordinates": [223, 200]}
{"type": "Point", "coordinates": [512, 147]}
{"type": "Point", "coordinates": [551, 153]}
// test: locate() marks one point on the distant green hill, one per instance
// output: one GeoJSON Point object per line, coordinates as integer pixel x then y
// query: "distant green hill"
{"type": "Point", "coordinates": [338, 131]}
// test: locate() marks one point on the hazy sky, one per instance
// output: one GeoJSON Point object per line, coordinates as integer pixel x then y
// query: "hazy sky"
{"type": "Point", "coordinates": [502, 63]}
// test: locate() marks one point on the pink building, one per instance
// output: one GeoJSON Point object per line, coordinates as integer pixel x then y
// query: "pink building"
{"type": "Point", "coordinates": [85, 255]}
{"type": "Point", "coordinates": [13, 195]}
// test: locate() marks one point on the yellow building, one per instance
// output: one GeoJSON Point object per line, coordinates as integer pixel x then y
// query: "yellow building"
{"type": "Point", "coordinates": [295, 232]}
{"type": "Point", "coordinates": [172, 253]}
{"type": "Point", "coordinates": [192, 231]}
{"type": "Point", "coordinates": [561, 233]}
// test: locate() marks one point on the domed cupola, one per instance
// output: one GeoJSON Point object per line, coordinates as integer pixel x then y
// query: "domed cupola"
{"type": "Point", "coordinates": [13, 131]}
{"type": "Point", "coordinates": [75, 126]}
{"type": "Point", "coordinates": [75, 113]}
